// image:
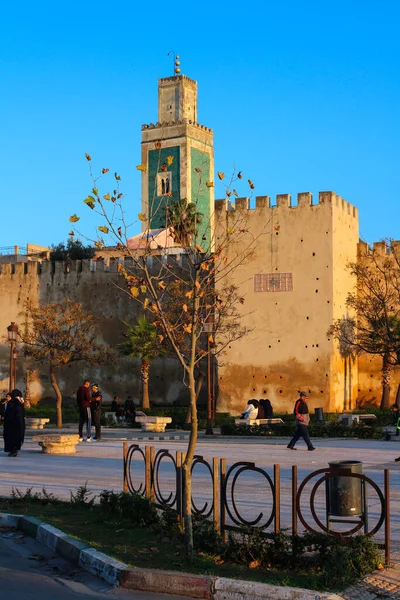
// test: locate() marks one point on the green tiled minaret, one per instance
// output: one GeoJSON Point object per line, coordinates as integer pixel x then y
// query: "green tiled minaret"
{"type": "Point", "coordinates": [178, 157]}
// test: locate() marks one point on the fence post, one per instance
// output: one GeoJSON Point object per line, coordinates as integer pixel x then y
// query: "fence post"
{"type": "Point", "coordinates": [387, 516]}
{"type": "Point", "coordinates": [216, 506]}
{"type": "Point", "coordinates": [147, 473]}
{"type": "Point", "coordinates": [277, 498]}
{"type": "Point", "coordinates": [222, 498]}
{"type": "Point", "coordinates": [152, 474]}
{"type": "Point", "coordinates": [294, 499]}
{"type": "Point", "coordinates": [179, 484]}
{"type": "Point", "coordinates": [125, 455]}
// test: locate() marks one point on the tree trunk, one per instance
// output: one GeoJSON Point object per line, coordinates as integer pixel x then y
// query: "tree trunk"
{"type": "Point", "coordinates": [56, 389]}
{"type": "Point", "coordinates": [144, 374]}
{"type": "Point", "coordinates": [199, 384]}
{"type": "Point", "coordinates": [187, 472]}
{"type": "Point", "coordinates": [386, 377]}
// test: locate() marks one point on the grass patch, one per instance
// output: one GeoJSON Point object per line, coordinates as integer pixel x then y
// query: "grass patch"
{"type": "Point", "coordinates": [129, 529]}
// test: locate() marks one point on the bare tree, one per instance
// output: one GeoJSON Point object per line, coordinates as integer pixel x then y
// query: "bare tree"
{"type": "Point", "coordinates": [60, 334]}
{"type": "Point", "coordinates": [200, 276]}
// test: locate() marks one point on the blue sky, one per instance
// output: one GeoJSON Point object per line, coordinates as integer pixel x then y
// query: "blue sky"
{"type": "Point", "coordinates": [302, 96]}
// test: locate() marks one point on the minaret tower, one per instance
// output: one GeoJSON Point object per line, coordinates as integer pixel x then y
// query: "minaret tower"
{"type": "Point", "coordinates": [178, 156]}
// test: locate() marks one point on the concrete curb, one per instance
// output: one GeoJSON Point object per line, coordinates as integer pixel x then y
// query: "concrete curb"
{"type": "Point", "coordinates": [233, 589]}
{"type": "Point", "coordinates": [168, 582]}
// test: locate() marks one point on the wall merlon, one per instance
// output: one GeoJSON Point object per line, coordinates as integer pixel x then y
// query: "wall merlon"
{"type": "Point", "coordinates": [100, 266]}
{"type": "Point", "coordinates": [327, 197]}
{"type": "Point", "coordinates": [263, 201]}
{"type": "Point", "coordinates": [362, 249]}
{"type": "Point", "coordinates": [380, 248]}
{"type": "Point", "coordinates": [221, 205]}
{"type": "Point", "coordinates": [19, 268]}
{"type": "Point", "coordinates": [32, 267]}
{"type": "Point", "coordinates": [59, 267]}
{"type": "Point", "coordinates": [283, 201]}
{"type": "Point", "coordinates": [6, 269]}
{"type": "Point", "coordinates": [46, 267]}
{"type": "Point", "coordinates": [86, 264]}
{"type": "Point", "coordinates": [304, 199]}
{"type": "Point", "coordinates": [114, 265]}
{"type": "Point", "coordinates": [242, 204]}
{"type": "Point", "coordinates": [395, 245]}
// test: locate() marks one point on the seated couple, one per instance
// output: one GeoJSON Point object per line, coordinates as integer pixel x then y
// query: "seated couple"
{"type": "Point", "coordinates": [258, 409]}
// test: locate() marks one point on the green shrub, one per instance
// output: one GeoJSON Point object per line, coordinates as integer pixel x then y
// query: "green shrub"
{"type": "Point", "coordinates": [83, 496]}
{"type": "Point", "coordinates": [328, 430]}
{"type": "Point", "coordinates": [133, 508]}
{"type": "Point", "coordinates": [70, 413]}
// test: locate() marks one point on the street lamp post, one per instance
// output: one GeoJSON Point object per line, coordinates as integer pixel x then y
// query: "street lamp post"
{"type": "Point", "coordinates": [209, 329]}
{"type": "Point", "coordinates": [12, 331]}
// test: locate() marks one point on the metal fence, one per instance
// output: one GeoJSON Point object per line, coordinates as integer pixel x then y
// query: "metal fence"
{"type": "Point", "coordinates": [222, 505]}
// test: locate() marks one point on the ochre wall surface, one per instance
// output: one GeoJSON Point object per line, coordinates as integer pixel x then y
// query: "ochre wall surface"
{"type": "Point", "coordinates": [50, 282]}
{"type": "Point", "coordinates": [287, 349]}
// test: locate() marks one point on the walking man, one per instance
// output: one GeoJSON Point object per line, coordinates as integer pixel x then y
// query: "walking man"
{"type": "Point", "coordinates": [83, 399]}
{"type": "Point", "coordinates": [95, 407]}
{"type": "Point", "coordinates": [302, 421]}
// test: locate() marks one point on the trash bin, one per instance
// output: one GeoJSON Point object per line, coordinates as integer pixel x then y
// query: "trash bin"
{"type": "Point", "coordinates": [319, 415]}
{"type": "Point", "coordinates": [345, 493]}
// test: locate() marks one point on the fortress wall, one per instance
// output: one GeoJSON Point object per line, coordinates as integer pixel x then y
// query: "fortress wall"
{"type": "Point", "coordinates": [345, 237]}
{"type": "Point", "coordinates": [97, 290]}
{"type": "Point", "coordinates": [287, 350]}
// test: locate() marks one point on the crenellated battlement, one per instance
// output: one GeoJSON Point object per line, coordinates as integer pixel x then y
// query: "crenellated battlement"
{"type": "Point", "coordinates": [381, 248]}
{"type": "Point", "coordinates": [81, 267]}
{"type": "Point", "coordinates": [175, 78]}
{"type": "Point", "coordinates": [304, 199]}
{"type": "Point", "coordinates": [158, 125]}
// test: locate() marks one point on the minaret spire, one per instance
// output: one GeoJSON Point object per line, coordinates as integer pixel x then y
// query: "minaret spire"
{"type": "Point", "coordinates": [177, 62]}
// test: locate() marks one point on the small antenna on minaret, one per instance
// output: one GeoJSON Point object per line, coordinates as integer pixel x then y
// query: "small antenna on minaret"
{"type": "Point", "coordinates": [177, 62]}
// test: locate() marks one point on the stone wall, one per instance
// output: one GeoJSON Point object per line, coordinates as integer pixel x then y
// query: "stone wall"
{"type": "Point", "coordinates": [101, 291]}
{"type": "Point", "coordinates": [294, 285]}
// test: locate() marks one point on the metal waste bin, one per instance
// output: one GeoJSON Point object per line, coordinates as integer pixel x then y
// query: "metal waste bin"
{"type": "Point", "coordinates": [319, 415]}
{"type": "Point", "coordinates": [345, 495]}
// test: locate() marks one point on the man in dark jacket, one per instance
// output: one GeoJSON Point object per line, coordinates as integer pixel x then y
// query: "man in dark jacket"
{"type": "Point", "coordinates": [95, 407]}
{"type": "Point", "coordinates": [302, 421]}
{"type": "Point", "coordinates": [83, 399]}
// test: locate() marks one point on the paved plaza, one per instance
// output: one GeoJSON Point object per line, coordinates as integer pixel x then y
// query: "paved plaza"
{"type": "Point", "coordinates": [100, 465]}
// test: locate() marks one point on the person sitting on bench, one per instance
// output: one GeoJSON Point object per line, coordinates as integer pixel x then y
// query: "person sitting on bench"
{"type": "Point", "coordinates": [251, 411]}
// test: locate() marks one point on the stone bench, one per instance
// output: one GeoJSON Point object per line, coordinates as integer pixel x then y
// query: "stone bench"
{"type": "Point", "coordinates": [32, 423]}
{"type": "Point", "coordinates": [154, 424]}
{"type": "Point", "coordinates": [55, 443]}
{"type": "Point", "coordinates": [273, 421]}
{"type": "Point", "coordinates": [351, 418]}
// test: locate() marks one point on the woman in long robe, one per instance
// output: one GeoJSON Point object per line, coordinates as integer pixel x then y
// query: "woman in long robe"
{"type": "Point", "coordinates": [14, 424]}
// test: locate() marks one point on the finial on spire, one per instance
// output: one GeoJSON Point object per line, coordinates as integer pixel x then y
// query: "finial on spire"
{"type": "Point", "coordinates": [177, 62]}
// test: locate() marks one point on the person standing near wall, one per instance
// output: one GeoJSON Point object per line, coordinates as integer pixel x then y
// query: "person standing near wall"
{"type": "Point", "coordinates": [302, 421]}
{"type": "Point", "coordinates": [83, 399]}
{"type": "Point", "coordinates": [95, 407]}
{"type": "Point", "coordinates": [14, 423]}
